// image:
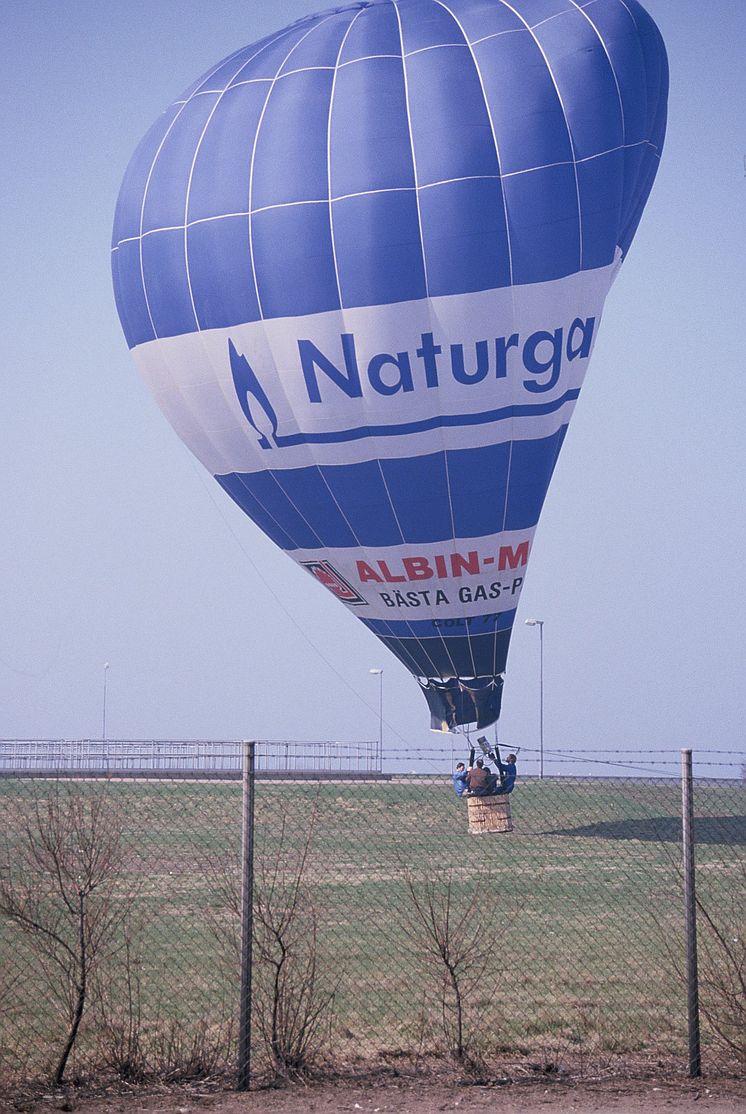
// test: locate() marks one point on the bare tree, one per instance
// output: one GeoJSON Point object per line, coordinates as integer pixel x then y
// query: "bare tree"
{"type": "Point", "coordinates": [722, 973]}
{"type": "Point", "coordinates": [450, 928]}
{"type": "Point", "coordinates": [293, 993]}
{"type": "Point", "coordinates": [721, 945]}
{"type": "Point", "coordinates": [58, 889]}
{"type": "Point", "coordinates": [223, 914]}
{"type": "Point", "coordinates": [116, 995]}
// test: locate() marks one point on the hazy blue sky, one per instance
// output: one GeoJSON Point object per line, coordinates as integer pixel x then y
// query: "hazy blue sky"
{"type": "Point", "coordinates": [116, 546]}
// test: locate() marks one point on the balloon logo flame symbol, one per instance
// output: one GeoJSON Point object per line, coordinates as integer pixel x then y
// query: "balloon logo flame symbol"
{"type": "Point", "coordinates": [248, 386]}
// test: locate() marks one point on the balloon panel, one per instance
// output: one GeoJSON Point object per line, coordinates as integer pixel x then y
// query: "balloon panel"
{"type": "Point", "coordinates": [362, 265]}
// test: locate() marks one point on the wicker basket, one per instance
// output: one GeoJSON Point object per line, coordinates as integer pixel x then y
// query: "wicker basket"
{"type": "Point", "coordinates": [489, 814]}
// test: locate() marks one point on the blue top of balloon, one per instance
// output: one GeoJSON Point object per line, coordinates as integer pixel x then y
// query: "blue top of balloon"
{"type": "Point", "coordinates": [486, 165]}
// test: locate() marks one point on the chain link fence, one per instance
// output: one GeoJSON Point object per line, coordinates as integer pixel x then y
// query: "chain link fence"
{"type": "Point", "coordinates": [383, 932]}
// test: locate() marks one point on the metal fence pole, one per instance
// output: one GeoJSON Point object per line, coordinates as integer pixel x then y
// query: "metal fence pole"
{"type": "Point", "coordinates": [247, 892]}
{"type": "Point", "coordinates": [690, 913]}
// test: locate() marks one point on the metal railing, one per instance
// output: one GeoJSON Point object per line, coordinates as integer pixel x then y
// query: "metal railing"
{"type": "Point", "coordinates": [198, 758]}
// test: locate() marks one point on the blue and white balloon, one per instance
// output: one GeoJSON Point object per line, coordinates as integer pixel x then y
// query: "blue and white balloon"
{"type": "Point", "coordinates": [362, 264]}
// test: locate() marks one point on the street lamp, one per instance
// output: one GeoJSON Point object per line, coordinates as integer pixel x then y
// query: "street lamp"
{"type": "Point", "coordinates": [379, 673]}
{"type": "Point", "coordinates": [103, 718]}
{"type": "Point", "coordinates": [540, 624]}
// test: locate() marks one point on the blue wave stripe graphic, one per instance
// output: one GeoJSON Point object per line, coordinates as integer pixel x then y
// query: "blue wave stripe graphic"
{"type": "Point", "coordinates": [253, 197]}
{"type": "Point", "coordinates": [439, 421]}
{"type": "Point", "coordinates": [472, 493]}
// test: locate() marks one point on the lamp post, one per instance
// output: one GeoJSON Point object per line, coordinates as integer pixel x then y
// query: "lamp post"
{"type": "Point", "coordinates": [103, 717]}
{"type": "Point", "coordinates": [540, 624]}
{"type": "Point", "coordinates": [379, 758]}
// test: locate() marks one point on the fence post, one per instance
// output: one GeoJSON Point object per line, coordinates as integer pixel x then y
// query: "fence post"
{"type": "Point", "coordinates": [247, 893]}
{"type": "Point", "coordinates": [690, 913]}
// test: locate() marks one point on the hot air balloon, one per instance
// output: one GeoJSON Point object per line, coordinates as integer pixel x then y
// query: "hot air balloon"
{"type": "Point", "coordinates": [362, 263]}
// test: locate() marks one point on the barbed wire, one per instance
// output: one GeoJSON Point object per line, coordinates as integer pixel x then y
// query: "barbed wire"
{"type": "Point", "coordinates": [570, 754]}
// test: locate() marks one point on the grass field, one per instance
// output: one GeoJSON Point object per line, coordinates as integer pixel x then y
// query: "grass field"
{"type": "Point", "coordinates": [578, 912]}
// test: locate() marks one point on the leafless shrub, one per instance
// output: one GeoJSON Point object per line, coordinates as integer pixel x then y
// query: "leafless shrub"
{"type": "Point", "coordinates": [170, 1049]}
{"type": "Point", "coordinates": [294, 995]}
{"type": "Point", "coordinates": [722, 968]}
{"type": "Point", "coordinates": [223, 914]}
{"type": "Point", "coordinates": [117, 999]}
{"type": "Point", "coordinates": [180, 1052]}
{"type": "Point", "coordinates": [9, 981]}
{"type": "Point", "coordinates": [58, 889]}
{"type": "Point", "coordinates": [721, 959]}
{"type": "Point", "coordinates": [450, 928]}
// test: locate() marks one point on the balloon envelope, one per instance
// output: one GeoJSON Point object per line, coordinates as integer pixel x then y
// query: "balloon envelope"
{"type": "Point", "coordinates": [362, 263]}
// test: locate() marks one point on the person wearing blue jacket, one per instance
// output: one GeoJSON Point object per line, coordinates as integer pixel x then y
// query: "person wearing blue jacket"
{"type": "Point", "coordinates": [508, 772]}
{"type": "Point", "coordinates": [459, 779]}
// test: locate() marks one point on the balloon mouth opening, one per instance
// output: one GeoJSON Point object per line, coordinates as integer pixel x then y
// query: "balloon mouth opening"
{"type": "Point", "coordinates": [459, 701]}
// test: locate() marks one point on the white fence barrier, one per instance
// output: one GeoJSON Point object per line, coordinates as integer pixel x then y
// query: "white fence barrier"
{"type": "Point", "coordinates": [154, 757]}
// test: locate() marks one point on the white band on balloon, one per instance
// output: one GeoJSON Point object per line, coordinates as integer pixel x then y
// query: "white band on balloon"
{"type": "Point", "coordinates": [381, 382]}
{"type": "Point", "coordinates": [477, 577]}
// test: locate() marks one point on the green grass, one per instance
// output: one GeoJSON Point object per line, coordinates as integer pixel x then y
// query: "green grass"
{"type": "Point", "coordinates": [581, 905]}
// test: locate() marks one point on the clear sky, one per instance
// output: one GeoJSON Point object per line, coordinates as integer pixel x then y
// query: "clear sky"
{"type": "Point", "coordinates": [117, 547]}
